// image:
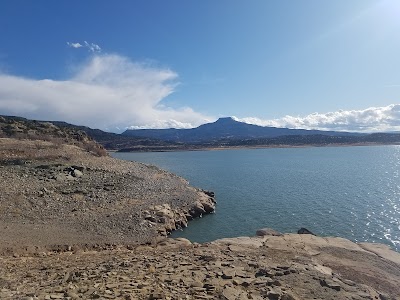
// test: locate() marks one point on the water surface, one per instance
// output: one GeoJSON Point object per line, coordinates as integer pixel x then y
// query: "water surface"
{"type": "Point", "coordinates": [352, 192]}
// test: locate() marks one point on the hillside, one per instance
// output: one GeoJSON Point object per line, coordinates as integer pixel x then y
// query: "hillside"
{"type": "Point", "coordinates": [21, 128]}
{"type": "Point", "coordinates": [18, 127]}
{"type": "Point", "coordinates": [113, 141]}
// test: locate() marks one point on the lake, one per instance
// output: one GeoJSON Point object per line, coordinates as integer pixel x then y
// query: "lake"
{"type": "Point", "coordinates": [351, 192]}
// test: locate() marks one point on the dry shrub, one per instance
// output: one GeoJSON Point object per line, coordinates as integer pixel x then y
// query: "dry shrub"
{"type": "Point", "coordinates": [34, 150]}
{"type": "Point", "coordinates": [20, 136]}
{"type": "Point", "coordinates": [56, 141]}
{"type": "Point", "coordinates": [95, 148]}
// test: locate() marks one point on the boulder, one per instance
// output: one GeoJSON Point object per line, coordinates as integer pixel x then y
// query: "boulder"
{"type": "Point", "coordinates": [303, 230]}
{"type": "Point", "coordinates": [80, 168]}
{"type": "Point", "coordinates": [150, 218]}
{"type": "Point", "coordinates": [267, 231]}
{"type": "Point", "coordinates": [76, 173]}
{"type": "Point", "coordinates": [59, 177]}
{"type": "Point", "coordinates": [197, 210]}
{"type": "Point", "coordinates": [209, 193]}
{"type": "Point", "coordinates": [209, 206]}
{"type": "Point", "coordinates": [230, 293]}
{"type": "Point", "coordinates": [164, 212]}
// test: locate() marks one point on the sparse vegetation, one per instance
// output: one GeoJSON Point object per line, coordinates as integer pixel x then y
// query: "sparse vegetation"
{"type": "Point", "coordinates": [23, 129]}
{"type": "Point", "coordinates": [94, 148]}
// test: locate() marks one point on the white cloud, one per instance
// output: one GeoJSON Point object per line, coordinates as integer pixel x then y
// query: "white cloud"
{"type": "Point", "coordinates": [111, 91]}
{"type": "Point", "coordinates": [372, 119]}
{"type": "Point", "coordinates": [90, 46]}
{"type": "Point", "coordinates": [74, 45]}
{"type": "Point", "coordinates": [106, 92]}
{"type": "Point", "coordinates": [165, 124]}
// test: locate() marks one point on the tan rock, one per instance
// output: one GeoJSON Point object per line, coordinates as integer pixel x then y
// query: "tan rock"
{"type": "Point", "coordinates": [230, 293]}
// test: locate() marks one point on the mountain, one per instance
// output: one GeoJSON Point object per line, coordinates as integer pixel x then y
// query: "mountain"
{"type": "Point", "coordinates": [225, 132]}
{"type": "Point", "coordinates": [113, 141]}
{"type": "Point", "coordinates": [225, 129]}
{"type": "Point", "coordinates": [18, 127]}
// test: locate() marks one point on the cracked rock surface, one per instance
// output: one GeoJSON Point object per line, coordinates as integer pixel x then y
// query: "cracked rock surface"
{"type": "Point", "coordinates": [272, 267]}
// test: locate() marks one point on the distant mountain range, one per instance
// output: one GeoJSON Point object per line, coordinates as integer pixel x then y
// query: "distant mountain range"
{"type": "Point", "coordinates": [225, 129]}
{"type": "Point", "coordinates": [224, 133]}
{"type": "Point", "coordinates": [114, 141]}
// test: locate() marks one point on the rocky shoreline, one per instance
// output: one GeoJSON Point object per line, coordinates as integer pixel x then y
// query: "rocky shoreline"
{"type": "Point", "coordinates": [284, 267]}
{"type": "Point", "coordinates": [78, 226]}
{"type": "Point", "coordinates": [62, 196]}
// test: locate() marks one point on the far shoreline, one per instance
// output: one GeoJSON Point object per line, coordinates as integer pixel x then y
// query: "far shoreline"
{"type": "Point", "coordinates": [243, 147]}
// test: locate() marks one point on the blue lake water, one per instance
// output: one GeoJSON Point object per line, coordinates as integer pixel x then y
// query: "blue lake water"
{"type": "Point", "coordinates": [352, 192]}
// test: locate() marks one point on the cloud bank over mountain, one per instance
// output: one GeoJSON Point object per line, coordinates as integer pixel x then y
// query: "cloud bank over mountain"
{"type": "Point", "coordinates": [112, 92]}
{"type": "Point", "coordinates": [107, 92]}
{"type": "Point", "coordinates": [372, 119]}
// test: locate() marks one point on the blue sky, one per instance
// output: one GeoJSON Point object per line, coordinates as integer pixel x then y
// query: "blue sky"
{"type": "Point", "coordinates": [300, 64]}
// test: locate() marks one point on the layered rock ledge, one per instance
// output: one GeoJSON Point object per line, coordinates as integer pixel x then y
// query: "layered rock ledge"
{"type": "Point", "coordinates": [286, 267]}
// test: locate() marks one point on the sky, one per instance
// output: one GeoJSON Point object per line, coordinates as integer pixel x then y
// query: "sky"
{"type": "Point", "coordinates": [331, 65]}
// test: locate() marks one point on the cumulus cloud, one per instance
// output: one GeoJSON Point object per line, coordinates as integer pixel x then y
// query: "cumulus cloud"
{"type": "Point", "coordinates": [90, 46]}
{"type": "Point", "coordinates": [373, 119]}
{"type": "Point", "coordinates": [106, 92]}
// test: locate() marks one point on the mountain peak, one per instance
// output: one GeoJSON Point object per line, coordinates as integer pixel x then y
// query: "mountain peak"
{"type": "Point", "coordinates": [226, 120]}
{"type": "Point", "coordinates": [226, 128]}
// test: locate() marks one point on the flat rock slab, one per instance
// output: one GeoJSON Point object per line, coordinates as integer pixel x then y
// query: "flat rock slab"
{"type": "Point", "coordinates": [209, 271]}
{"type": "Point", "coordinates": [381, 250]}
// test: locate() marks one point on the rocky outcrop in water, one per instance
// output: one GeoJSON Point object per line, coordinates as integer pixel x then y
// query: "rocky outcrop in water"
{"type": "Point", "coordinates": [303, 230]}
{"type": "Point", "coordinates": [173, 219]}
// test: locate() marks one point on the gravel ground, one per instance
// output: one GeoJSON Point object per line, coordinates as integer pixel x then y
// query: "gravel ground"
{"type": "Point", "coordinates": [61, 195]}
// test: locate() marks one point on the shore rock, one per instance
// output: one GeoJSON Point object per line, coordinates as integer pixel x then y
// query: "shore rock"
{"type": "Point", "coordinates": [303, 230]}
{"type": "Point", "coordinates": [267, 231]}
